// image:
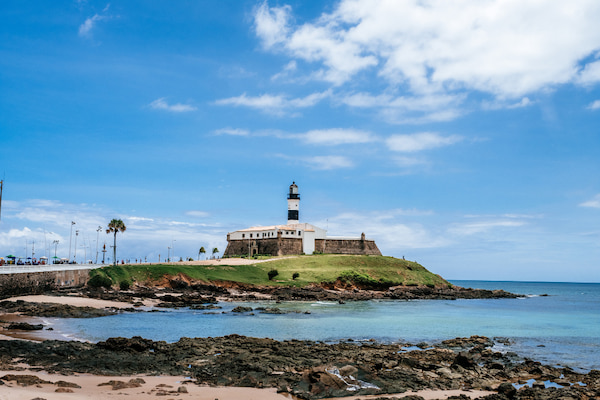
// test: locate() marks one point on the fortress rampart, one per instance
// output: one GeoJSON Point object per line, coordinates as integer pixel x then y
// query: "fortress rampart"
{"type": "Point", "coordinates": [291, 246]}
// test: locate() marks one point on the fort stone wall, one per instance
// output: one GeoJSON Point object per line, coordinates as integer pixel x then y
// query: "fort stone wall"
{"type": "Point", "coordinates": [347, 246]}
{"type": "Point", "coordinates": [280, 246]}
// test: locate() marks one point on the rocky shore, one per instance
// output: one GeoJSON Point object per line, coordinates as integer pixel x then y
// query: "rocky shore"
{"type": "Point", "coordinates": [303, 369]}
{"type": "Point", "coordinates": [190, 293]}
{"type": "Point", "coordinates": [313, 370]}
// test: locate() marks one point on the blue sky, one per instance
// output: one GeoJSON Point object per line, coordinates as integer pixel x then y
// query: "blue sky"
{"type": "Point", "coordinates": [464, 136]}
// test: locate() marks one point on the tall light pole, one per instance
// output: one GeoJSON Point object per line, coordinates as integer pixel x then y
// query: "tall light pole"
{"type": "Point", "coordinates": [1, 187]}
{"type": "Point", "coordinates": [75, 256]}
{"type": "Point", "coordinates": [97, 238]}
{"type": "Point", "coordinates": [55, 243]}
{"type": "Point", "coordinates": [70, 238]}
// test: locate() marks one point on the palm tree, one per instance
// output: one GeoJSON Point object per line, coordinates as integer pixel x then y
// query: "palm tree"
{"type": "Point", "coordinates": [215, 250]}
{"type": "Point", "coordinates": [116, 225]}
{"type": "Point", "coordinates": [202, 250]}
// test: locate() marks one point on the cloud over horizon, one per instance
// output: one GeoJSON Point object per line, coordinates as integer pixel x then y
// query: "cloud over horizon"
{"type": "Point", "coordinates": [504, 50]}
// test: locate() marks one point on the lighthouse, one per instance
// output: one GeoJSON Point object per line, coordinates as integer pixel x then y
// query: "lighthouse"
{"type": "Point", "coordinates": [293, 204]}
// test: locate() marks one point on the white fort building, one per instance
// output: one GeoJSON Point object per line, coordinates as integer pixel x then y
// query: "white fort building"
{"type": "Point", "coordinates": [293, 237]}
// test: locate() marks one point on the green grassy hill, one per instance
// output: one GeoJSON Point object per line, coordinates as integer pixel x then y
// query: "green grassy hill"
{"type": "Point", "coordinates": [365, 271]}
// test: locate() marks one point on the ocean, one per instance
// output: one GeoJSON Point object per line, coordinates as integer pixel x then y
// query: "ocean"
{"type": "Point", "coordinates": [555, 323]}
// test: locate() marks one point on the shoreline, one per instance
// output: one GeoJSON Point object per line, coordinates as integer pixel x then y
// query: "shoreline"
{"type": "Point", "coordinates": [459, 367]}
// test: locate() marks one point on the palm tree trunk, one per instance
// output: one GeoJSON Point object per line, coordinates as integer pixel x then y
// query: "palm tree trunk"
{"type": "Point", "coordinates": [115, 250]}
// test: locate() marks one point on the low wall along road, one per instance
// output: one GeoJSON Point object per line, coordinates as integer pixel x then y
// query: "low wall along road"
{"type": "Point", "coordinates": [36, 279]}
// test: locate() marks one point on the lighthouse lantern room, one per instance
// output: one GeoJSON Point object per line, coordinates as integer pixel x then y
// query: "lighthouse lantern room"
{"type": "Point", "coordinates": [293, 204]}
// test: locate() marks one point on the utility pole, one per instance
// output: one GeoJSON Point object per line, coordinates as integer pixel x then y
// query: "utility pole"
{"type": "Point", "coordinates": [1, 187]}
{"type": "Point", "coordinates": [70, 238]}
{"type": "Point", "coordinates": [55, 246]}
{"type": "Point", "coordinates": [75, 255]}
{"type": "Point", "coordinates": [97, 238]}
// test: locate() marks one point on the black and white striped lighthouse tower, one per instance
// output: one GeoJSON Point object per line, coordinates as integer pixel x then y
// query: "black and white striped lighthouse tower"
{"type": "Point", "coordinates": [293, 204]}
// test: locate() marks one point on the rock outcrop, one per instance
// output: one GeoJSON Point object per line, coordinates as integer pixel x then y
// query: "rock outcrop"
{"type": "Point", "coordinates": [312, 370]}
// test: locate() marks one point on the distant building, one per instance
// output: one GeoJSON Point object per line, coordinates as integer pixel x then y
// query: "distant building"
{"type": "Point", "coordinates": [294, 237]}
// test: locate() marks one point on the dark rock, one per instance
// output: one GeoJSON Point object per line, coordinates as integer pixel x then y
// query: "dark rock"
{"type": "Point", "coordinates": [305, 369]}
{"type": "Point", "coordinates": [464, 360]}
{"type": "Point", "coordinates": [25, 326]}
{"type": "Point", "coordinates": [507, 389]}
{"type": "Point", "coordinates": [67, 384]}
{"type": "Point", "coordinates": [118, 385]}
{"type": "Point", "coordinates": [25, 380]}
{"type": "Point", "coordinates": [241, 309]}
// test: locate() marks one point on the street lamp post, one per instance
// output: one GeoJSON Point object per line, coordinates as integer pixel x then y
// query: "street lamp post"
{"type": "Point", "coordinates": [97, 238]}
{"type": "Point", "coordinates": [55, 246]}
{"type": "Point", "coordinates": [75, 255]}
{"type": "Point", "coordinates": [70, 238]}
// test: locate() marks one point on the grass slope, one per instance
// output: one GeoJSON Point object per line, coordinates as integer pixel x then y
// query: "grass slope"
{"type": "Point", "coordinates": [363, 270]}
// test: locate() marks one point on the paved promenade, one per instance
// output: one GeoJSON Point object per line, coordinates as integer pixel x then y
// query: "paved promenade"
{"type": "Point", "coordinates": [20, 269]}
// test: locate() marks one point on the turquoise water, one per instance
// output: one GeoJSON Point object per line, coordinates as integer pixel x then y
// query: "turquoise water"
{"type": "Point", "coordinates": [562, 328]}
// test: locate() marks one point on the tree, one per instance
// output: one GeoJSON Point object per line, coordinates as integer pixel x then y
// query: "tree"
{"type": "Point", "coordinates": [215, 251]}
{"type": "Point", "coordinates": [202, 250]}
{"type": "Point", "coordinates": [272, 274]}
{"type": "Point", "coordinates": [116, 225]}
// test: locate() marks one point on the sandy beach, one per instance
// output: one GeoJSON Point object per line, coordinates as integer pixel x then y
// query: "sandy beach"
{"type": "Point", "coordinates": [85, 386]}
{"type": "Point", "coordinates": [72, 300]}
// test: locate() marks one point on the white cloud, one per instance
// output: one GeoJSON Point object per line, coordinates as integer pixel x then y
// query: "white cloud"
{"type": "Point", "coordinates": [328, 162]}
{"type": "Point", "coordinates": [420, 141]}
{"type": "Point", "coordinates": [503, 103]}
{"type": "Point", "coordinates": [232, 132]}
{"type": "Point", "coordinates": [595, 105]}
{"type": "Point", "coordinates": [409, 109]}
{"type": "Point", "coordinates": [161, 104]}
{"type": "Point", "coordinates": [290, 68]}
{"type": "Point", "coordinates": [197, 213]}
{"type": "Point", "coordinates": [590, 74]}
{"type": "Point", "coordinates": [43, 221]}
{"type": "Point", "coordinates": [504, 48]}
{"type": "Point", "coordinates": [410, 162]}
{"type": "Point", "coordinates": [593, 203]}
{"type": "Point", "coordinates": [390, 232]}
{"type": "Point", "coordinates": [274, 104]}
{"type": "Point", "coordinates": [337, 136]}
{"type": "Point", "coordinates": [138, 219]}
{"type": "Point", "coordinates": [471, 228]}
{"type": "Point", "coordinates": [271, 24]}
{"type": "Point", "coordinates": [85, 29]}
{"type": "Point", "coordinates": [325, 137]}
